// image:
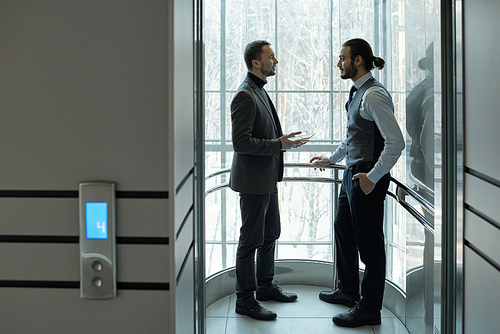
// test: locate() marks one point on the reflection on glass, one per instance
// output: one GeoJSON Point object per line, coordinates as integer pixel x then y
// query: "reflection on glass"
{"type": "Point", "coordinates": [420, 243]}
{"type": "Point", "coordinates": [420, 124]}
{"type": "Point", "coordinates": [423, 125]}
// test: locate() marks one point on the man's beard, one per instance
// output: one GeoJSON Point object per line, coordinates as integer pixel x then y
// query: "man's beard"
{"type": "Point", "coordinates": [349, 72]}
{"type": "Point", "coordinates": [268, 73]}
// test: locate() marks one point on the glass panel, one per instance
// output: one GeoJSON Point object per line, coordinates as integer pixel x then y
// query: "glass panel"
{"type": "Point", "coordinates": [304, 45]}
{"type": "Point", "coordinates": [245, 22]}
{"type": "Point", "coordinates": [423, 124]}
{"type": "Point", "coordinates": [306, 112]}
{"type": "Point", "coordinates": [213, 217]}
{"type": "Point", "coordinates": [212, 164]}
{"type": "Point", "coordinates": [306, 215]}
{"type": "Point", "coordinates": [213, 260]}
{"type": "Point", "coordinates": [356, 18]}
{"type": "Point", "coordinates": [211, 38]}
{"type": "Point", "coordinates": [212, 116]}
{"type": "Point", "coordinates": [229, 98]}
{"type": "Point", "coordinates": [309, 96]}
{"type": "Point", "coordinates": [395, 237]}
{"type": "Point", "coordinates": [232, 216]}
{"type": "Point", "coordinates": [306, 252]}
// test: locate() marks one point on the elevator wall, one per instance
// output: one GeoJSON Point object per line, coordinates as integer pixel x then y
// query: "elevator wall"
{"type": "Point", "coordinates": [96, 91]}
{"type": "Point", "coordinates": [481, 82]}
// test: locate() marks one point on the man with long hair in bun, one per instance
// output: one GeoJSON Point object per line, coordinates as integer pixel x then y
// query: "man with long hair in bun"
{"type": "Point", "coordinates": [372, 146]}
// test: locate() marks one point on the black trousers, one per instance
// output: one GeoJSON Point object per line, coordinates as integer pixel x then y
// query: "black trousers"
{"type": "Point", "coordinates": [259, 230]}
{"type": "Point", "coordinates": [359, 229]}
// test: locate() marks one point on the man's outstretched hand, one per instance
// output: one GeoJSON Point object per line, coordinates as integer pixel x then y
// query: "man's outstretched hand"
{"type": "Point", "coordinates": [287, 141]}
{"type": "Point", "coordinates": [320, 161]}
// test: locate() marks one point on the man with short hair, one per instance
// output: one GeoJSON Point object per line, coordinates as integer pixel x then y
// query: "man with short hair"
{"type": "Point", "coordinates": [372, 146]}
{"type": "Point", "coordinates": [257, 166]}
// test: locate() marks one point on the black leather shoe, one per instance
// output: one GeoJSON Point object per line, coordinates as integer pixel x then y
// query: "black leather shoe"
{"type": "Point", "coordinates": [254, 310]}
{"type": "Point", "coordinates": [339, 297]}
{"type": "Point", "coordinates": [356, 317]}
{"type": "Point", "coordinates": [274, 292]}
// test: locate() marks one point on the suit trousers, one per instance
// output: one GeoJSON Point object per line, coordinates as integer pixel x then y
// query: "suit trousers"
{"type": "Point", "coordinates": [359, 229]}
{"type": "Point", "coordinates": [258, 234]}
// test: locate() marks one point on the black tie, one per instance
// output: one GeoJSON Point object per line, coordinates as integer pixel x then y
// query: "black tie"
{"type": "Point", "coordinates": [351, 93]}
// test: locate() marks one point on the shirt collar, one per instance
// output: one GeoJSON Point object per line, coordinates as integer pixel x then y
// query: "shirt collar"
{"type": "Point", "coordinates": [362, 80]}
{"type": "Point", "coordinates": [258, 81]}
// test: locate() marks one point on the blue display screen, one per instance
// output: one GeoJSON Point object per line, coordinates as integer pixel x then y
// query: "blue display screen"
{"type": "Point", "coordinates": [96, 220]}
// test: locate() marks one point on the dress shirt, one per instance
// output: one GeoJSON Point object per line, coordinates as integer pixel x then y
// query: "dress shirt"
{"type": "Point", "coordinates": [377, 106]}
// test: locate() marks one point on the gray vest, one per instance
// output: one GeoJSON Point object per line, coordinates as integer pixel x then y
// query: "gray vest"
{"type": "Point", "coordinates": [364, 141]}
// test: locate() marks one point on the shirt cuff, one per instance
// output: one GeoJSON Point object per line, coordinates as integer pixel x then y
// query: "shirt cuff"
{"type": "Point", "coordinates": [373, 176]}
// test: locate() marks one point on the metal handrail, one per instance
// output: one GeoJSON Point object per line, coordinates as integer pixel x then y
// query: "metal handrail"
{"type": "Point", "coordinates": [428, 205]}
{"type": "Point", "coordinates": [401, 199]}
{"type": "Point", "coordinates": [399, 196]}
{"type": "Point", "coordinates": [417, 215]}
{"type": "Point", "coordinates": [288, 164]}
{"type": "Point", "coordinates": [419, 184]}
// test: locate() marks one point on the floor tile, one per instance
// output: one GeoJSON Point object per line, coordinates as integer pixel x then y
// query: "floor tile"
{"type": "Point", "coordinates": [390, 326]}
{"type": "Point", "coordinates": [385, 313]}
{"type": "Point", "coordinates": [289, 326]}
{"type": "Point", "coordinates": [220, 308]}
{"type": "Point", "coordinates": [216, 325]}
{"type": "Point", "coordinates": [307, 315]}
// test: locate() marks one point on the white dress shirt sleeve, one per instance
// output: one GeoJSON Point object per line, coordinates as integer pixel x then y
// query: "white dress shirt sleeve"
{"type": "Point", "coordinates": [377, 106]}
{"type": "Point", "coordinates": [339, 153]}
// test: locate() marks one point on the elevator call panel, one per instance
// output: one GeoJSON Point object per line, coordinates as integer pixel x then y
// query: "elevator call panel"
{"type": "Point", "coordinates": [97, 240]}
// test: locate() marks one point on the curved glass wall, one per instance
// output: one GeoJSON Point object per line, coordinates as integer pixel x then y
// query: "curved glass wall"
{"type": "Point", "coordinates": [309, 96]}
{"type": "Point", "coordinates": [306, 208]}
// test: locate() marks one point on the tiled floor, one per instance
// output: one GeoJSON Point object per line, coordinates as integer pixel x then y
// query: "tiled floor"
{"type": "Point", "coordinates": [308, 315]}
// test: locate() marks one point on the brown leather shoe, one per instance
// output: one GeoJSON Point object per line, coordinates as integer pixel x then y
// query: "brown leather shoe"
{"type": "Point", "coordinates": [356, 317]}
{"type": "Point", "coordinates": [339, 297]}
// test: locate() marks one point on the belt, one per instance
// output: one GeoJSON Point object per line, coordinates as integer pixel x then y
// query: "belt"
{"type": "Point", "coordinates": [361, 166]}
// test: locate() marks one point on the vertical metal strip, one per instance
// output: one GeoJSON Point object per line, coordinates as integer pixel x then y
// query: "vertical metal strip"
{"type": "Point", "coordinates": [335, 200]}
{"type": "Point", "coordinates": [276, 249]}
{"type": "Point", "coordinates": [330, 73]}
{"type": "Point", "coordinates": [377, 32]}
{"type": "Point", "coordinates": [335, 171]}
{"type": "Point", "coordinates": [386, 46]}
{"type": "Point", "coordinates": [223, 223]}
{"type": "Point", "coordinates": [276, 35]}
{"type": "Point", "coordinates": [459, 117]}
{"type": "Point", "coordinates": [449, 169]}
{"type": "Point", "coordinates": [199, 168]}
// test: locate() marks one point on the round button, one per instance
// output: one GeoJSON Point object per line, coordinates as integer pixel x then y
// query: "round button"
{"type": "Point", "coordinates": [97, 266]}
{"type": "Point", "coordinates": [97, 281]}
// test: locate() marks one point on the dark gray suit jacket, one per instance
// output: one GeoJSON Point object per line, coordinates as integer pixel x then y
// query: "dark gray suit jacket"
{"type": "Point", "coordinates": [258, 160]}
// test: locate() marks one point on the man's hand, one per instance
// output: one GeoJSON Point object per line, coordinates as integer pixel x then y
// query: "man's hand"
{"type": "Point", "coordinates": [365, 184]}
{"type": "Point", "coordinates": [320, 161]}
{"type": "Point", "coordinates": [287, 143]}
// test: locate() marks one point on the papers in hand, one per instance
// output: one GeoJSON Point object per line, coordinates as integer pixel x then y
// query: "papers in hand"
{"type": "Point", "coordinates": [301, 137]}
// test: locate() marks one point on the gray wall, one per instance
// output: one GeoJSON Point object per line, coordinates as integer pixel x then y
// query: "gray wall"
{"type": "Point", "coordinates": [96, 90]}
{"type": "Point", "coordinates": [482, 166]}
